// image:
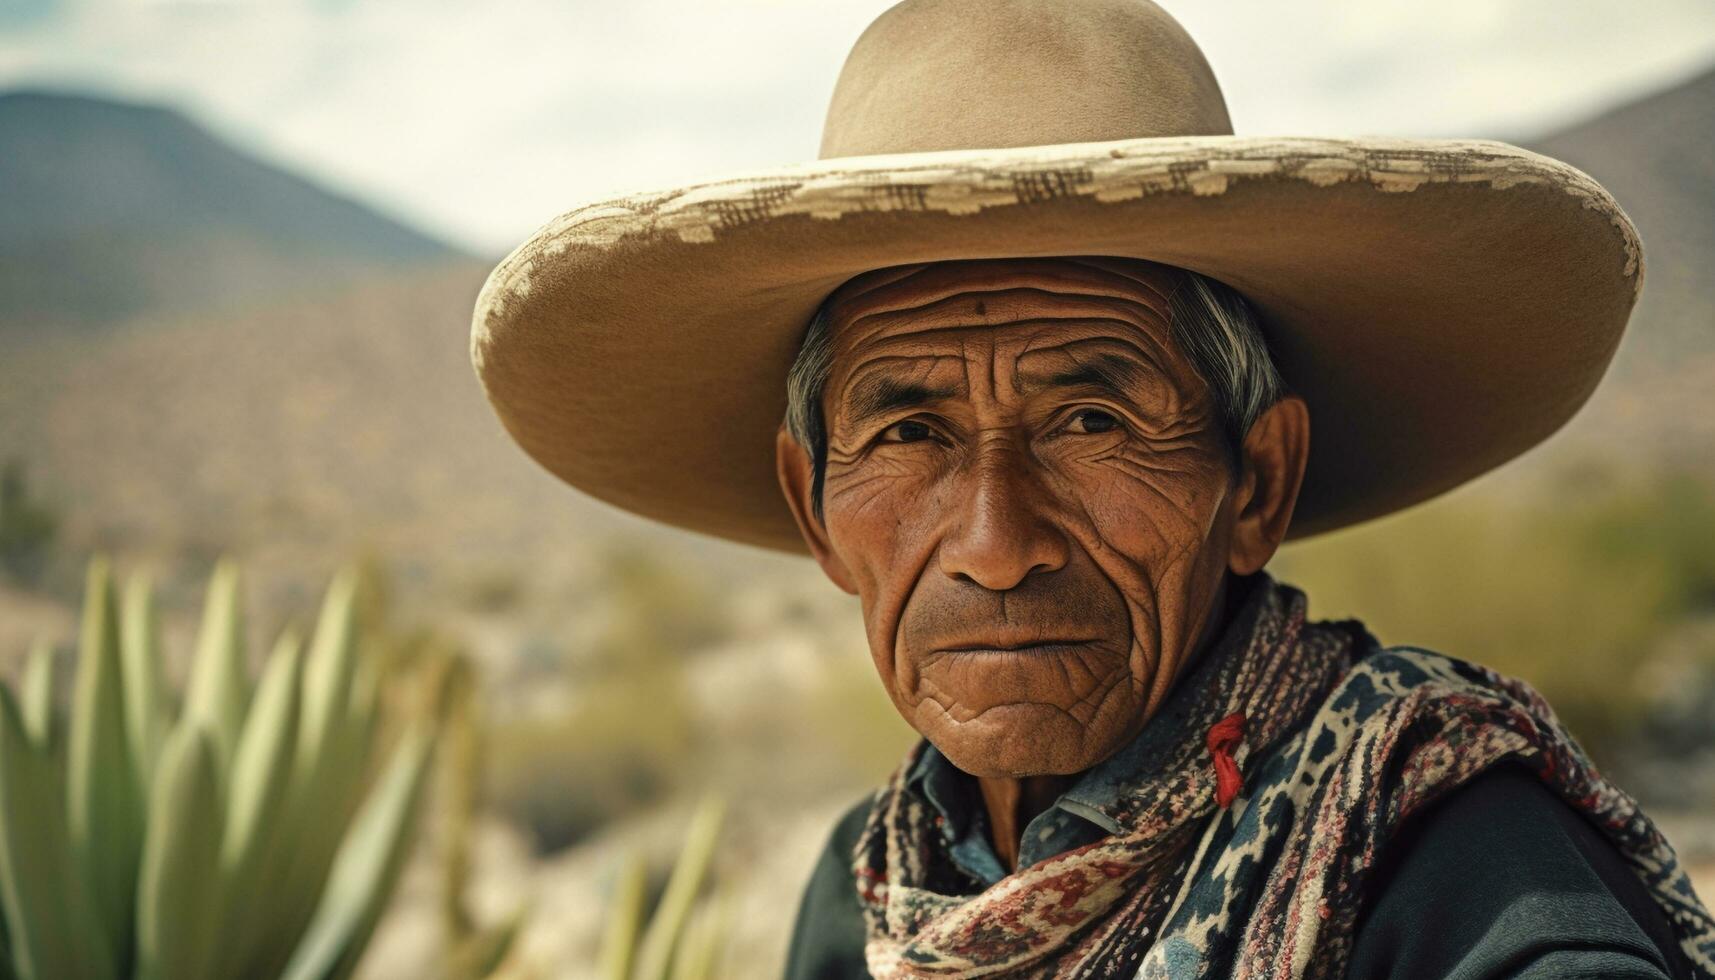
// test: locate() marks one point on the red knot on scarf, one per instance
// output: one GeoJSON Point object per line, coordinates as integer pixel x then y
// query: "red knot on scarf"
{"type": "Point", "coordinates": [1224, 736]}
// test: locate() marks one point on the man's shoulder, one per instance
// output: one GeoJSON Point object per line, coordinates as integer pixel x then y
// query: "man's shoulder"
{"type": "Point", "coordinates": [827, 939]}
{"type": "Point", "coordinates": [1380, 675]}
{"type": "Point", "coordinates": [1500, 872]}
{"type": "Point", "coordinates": [839, 848]}
{"type": "Point", "coordinates": [1410, 666]}
{"type": "Point", "coordinates": [842, 840]}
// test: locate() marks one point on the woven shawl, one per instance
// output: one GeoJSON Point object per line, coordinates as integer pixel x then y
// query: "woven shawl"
{"type": "Point", "coordinates": [1342, 741]}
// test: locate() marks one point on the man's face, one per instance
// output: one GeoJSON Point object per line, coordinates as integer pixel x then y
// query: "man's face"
{"type": "Point", "coordinates": [1028, 486]}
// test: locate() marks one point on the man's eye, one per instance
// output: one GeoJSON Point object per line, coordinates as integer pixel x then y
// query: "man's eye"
{"type": "Point", "coordinates": [909, 430]}
{"type": "Point", "coordinates": [1089, 421]}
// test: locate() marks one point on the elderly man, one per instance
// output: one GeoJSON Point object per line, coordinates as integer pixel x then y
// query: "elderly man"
{"type": "Point", "coordinates": [1054, 483]}
{"type": "Point", "coordinates": [1051, 346]}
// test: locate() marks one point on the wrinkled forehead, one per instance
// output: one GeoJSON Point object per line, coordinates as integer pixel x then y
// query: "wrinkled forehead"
{"type": "Point", "coordinates": [899, 300]}
{"type": "Point", "coordinates": [912, 335]}
{"type": "Point", "coordinates": [907, 316]}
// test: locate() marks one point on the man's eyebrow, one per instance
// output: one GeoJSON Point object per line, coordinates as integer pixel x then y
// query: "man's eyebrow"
{"type": "Point", "coordinates": [1117, 374]}
{"type": "Point", "coordinates": [879, 394]}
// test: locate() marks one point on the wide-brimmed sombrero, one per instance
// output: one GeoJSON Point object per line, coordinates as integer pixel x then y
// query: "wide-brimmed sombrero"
{"type": "Point", "coordinates": [1442, 305]}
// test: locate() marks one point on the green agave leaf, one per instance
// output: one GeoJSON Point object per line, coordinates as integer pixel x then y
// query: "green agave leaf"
{"type": "Point", "coordinates": [259, 841]}
{"type": "Point", "coordinates": [368, 866]}
{"type": "Point", "coordinates": [261, 777]}
{"type": "Point", "coordinates": [262, 769]}
{"type": "Point", "coordinates": [481, 954]}
{"type": "Point", "coordinates": [704, 940]}
{"type": "Point", "coordinates": [351, 743]}
{"type": "Point", "coordinates": [328, 774]}
{"type": "Point", "coordinates": [6, 972]}
{"type": "Point", "coordinates": [655, 954]}
{"type": "Point", "coordinates": [41, 724]}
{"type": "Point", "coordinates": [219, 688]}
{"type": "Point", "coordinates": [292, 875]}
{"type": "Point", "coordinates": [105, 815]}
{"type": "Point", "coordinates": [146, 711]}
{"type": "Point", "coordinates": [179, 921]}
{"type": "Point", "coordinates": [51, 925]}
{"type": "Point", "coordinates": [362, 710]}
{"type": "Point", "coordinates": [37, 689]}
{"type": "Point", "coordinates": [625, 917]}
{"type": "Point", "coordinates": [355, 738]}
{"type": "Point", "coordinates": [328, 672]}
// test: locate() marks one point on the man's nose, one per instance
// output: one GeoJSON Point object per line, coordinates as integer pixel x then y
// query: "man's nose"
{"type": "Point", "coordinates": [1000, 534]}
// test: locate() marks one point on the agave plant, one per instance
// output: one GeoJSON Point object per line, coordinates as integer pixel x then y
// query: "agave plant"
{"type": "Point", "coordinates": [684, 937]}
{"type": "Point", "coordinates": [472, 950]}
{"type": "Point", "coordinates": [252, 835]}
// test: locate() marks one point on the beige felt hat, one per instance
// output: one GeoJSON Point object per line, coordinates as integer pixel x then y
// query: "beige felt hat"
{"type": "Point", "coordinates": [1442, 305]}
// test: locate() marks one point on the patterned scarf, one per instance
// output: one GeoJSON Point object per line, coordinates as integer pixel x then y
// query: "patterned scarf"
{"type": "Point", "coordinates": [1338, 742]}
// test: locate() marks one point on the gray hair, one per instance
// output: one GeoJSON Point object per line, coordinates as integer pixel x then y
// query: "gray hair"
{"type": "Point", "coordinates": [1210, 321]}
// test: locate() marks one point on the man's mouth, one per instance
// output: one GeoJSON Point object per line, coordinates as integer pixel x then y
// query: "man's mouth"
{"type": "Point", "coordinates": [1017, 646]}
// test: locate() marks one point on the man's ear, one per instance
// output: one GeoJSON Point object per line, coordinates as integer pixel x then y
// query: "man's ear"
{"type": "Point", "coordinates": [792, 465]}
{"type": "Point", "coordinates": [1271, 469]}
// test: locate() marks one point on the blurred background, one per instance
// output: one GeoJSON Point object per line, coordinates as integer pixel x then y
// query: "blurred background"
{"type": "Point", "coordinates": [240, 241]}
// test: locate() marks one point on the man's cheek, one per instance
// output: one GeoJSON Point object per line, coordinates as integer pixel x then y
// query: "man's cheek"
{"type": "Point", "coordinates": [869, 549]}
{"type": "Point", "coordinates": [876, 537]}
{"type": "Point", "coordinates": [1153, 514]}
{"type": "Point", "coordinates": [875, 514]}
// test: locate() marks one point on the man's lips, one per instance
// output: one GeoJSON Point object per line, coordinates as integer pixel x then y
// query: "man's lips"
{"type": "Point", "coordinates": [1015, 646]}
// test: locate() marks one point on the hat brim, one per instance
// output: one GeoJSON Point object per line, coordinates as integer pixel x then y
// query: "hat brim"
{"type": "Point", "coordinates": [1441, 305]}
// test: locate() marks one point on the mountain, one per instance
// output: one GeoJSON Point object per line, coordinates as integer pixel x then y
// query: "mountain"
{"type": "Point", "coordinates": [1657, 157]}
{"type": "Point", "coordinates": [117, 209]}
{"type": "Point", "coordinates": [203, 354]}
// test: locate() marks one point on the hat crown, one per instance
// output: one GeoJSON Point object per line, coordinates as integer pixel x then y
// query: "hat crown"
{"type": "Point", "coordinates": [978, 74]}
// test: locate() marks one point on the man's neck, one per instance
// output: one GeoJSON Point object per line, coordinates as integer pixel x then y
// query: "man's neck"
{"type": "Point", "coordinates": [1012, 802]}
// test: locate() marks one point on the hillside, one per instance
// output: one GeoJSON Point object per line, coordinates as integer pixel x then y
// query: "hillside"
{"type": "Point", "coordinates": [115, 210]}
{"type": "Point", "coordinates": [1657, 157]}
{"type": "Point", "coordinates": [206, 354]}
{"type": "Point", "coordinates": [293, 434]}
{"type": "Point", "coordinates": [1654, 155]}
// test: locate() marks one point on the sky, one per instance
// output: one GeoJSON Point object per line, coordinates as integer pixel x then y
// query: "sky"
{"type": "Point", "coordinates": [479, 120]}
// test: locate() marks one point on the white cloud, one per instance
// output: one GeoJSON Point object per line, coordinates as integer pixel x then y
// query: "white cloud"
{"type": "Point", "coordinates": [483, 119]}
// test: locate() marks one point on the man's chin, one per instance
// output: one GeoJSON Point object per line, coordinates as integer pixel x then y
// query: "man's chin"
{"type": "Point", "coordinates": [1018, 740]}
